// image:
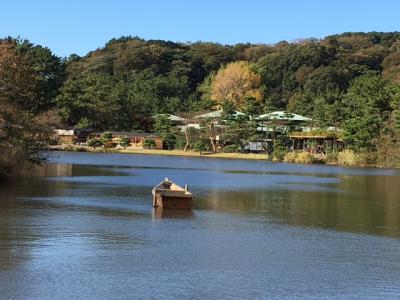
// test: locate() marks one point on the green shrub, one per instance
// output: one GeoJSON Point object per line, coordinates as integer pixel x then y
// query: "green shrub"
{"type": "Point", "coordinates": [199, 146]}
{"type": "Point", "coordinates": [279, 151]}
{"type": "Point", "coordinates": [169, 140]}
{"type": "Point", "coordinates": [232, 148]}
{"type": "Point", "coordinates": [149, 143]}
{"type": "Point", "coordinates": [180, 142]}
{"type": "Point", "coordinates": [94, 143]}
{"type": "Point", "coordinates": [124, 142]}
{"type": "Point", "coordinates": [106, 136]}
{"type": "Point", "coordinates": [84, 123]}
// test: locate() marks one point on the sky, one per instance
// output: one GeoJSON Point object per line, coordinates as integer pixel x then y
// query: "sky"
{"type": "Point", "coordinates": [68, 27]}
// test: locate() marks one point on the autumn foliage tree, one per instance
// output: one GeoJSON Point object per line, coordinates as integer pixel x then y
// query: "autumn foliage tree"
{"type": "Point", "coordinates": [235, 83]}
{"type": "Point", "coordinates": [21, 137]}
{"type": "Point", "coordinates": [17, 80]}
{"type": "Point", "coordinates": [36, 76]}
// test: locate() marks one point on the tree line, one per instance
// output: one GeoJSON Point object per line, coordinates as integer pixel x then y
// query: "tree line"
{"type": "Point", "coordinates": [349, 80]}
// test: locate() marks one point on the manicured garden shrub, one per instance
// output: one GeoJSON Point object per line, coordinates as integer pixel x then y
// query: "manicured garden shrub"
{"type": "Point", "coordinates": [149, 143]}
{"type": "Point", "coordinates": [199, 146]}
{"type": "Point", "coordinates": [124, 142]}
{"type": "Point", "coordinates": [231, 148]}
{"type": "Point", "coordinates": [94, 143]}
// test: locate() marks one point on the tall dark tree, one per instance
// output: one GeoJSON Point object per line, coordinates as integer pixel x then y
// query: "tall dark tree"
{"type": "Point", "coordinates": [366, 109]}
{"type": "Point", "coordinates": [49, 71]}
{"type": "Point", "coordinates": [21, 138]}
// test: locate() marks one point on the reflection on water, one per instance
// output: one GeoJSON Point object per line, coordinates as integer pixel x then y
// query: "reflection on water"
{"type": "Point", "coordinates": [159, 213]}
{"type": "Point", "coordinates": [368, 204]}
{"type": "Point", "coordinates": [82, 227]}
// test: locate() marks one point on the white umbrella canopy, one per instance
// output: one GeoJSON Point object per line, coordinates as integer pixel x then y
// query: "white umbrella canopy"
{"type": "Point", "coordinates": [217, 114]}
{"type": "Point", "coordinates": [284, 116]}
{"type": "Point", "coordinates": [171, 117]}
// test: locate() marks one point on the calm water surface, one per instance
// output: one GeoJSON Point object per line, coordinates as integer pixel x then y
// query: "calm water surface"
{"type": "Point", "coordinates": [83, 227]}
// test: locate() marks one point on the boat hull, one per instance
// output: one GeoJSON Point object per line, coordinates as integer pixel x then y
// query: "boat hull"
{"type": "Point", "coordinates": [172, 202]}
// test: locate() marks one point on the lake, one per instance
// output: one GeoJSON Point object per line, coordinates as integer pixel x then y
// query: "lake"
{"type": "Point", "coordinates": [82, 226]}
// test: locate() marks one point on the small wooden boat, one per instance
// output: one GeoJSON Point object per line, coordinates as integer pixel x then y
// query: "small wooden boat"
{"type": "Point", "coordinates": [168, 194]}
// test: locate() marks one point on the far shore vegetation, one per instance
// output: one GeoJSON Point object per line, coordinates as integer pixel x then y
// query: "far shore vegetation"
{"type": "Point", "coordinates": [347, 158]}
{"type": "Point", "coordinates": [347, 83]}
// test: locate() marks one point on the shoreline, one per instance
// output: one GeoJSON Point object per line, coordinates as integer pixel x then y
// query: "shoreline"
{"type": "Point", "coordinates": [219, 155]}
{"type": "Point", "coordinates": [224, 155]}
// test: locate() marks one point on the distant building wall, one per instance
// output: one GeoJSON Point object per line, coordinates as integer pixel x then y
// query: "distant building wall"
{"type": "Point", "coordinates": [65, 139]}
{"type": "Point", "coordinates": [137, 139]}
{"type": "Point", "coordinates": [64, 136]}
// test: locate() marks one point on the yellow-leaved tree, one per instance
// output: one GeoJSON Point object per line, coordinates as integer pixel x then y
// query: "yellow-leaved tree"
{"type": "Point", "coordinates": [235, 83]}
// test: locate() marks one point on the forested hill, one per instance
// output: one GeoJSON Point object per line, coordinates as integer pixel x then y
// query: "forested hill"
{"type": "Point", "coordinates": [119, 86]}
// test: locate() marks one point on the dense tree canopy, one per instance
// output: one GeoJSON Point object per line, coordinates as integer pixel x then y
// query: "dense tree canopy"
{"type": "Point", "coordinates": [346, 80]}
{"type": "Point", "coordinates": [21, 136]}
{"type": "Point", "coordinates": [366, 109]}
{"type": "Point", "coordinates": [42, 71]}
{"type": "Point", "coordinates": [134, 78]}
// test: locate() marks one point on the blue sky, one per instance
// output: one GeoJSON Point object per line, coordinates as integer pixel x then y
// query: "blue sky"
{"type": "Point", "coordinates": [75, 26]}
